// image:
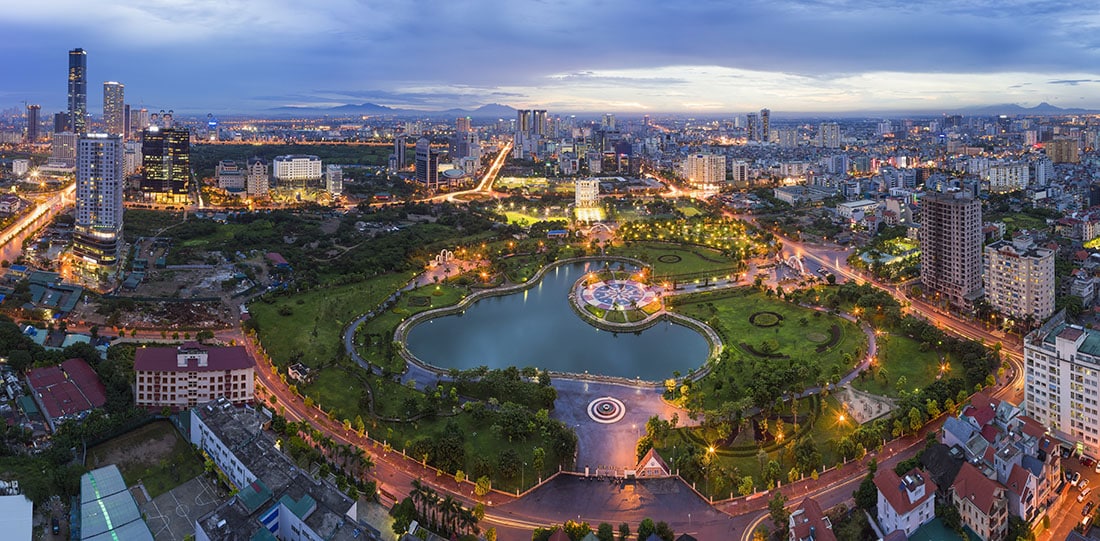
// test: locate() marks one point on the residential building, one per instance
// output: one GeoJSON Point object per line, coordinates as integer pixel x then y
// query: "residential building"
{"type": "Point", "coordinates": [828, 135]}
{"type": "Point", "coordinates": [1019, 278]}
{"type": "Point", "coordinates": [334, 179]}
{"type": "Point", "coordinates": [258, 178]}
{"type": "Point", "coordinates": [705, 170]}
{"type": "Point", "coordinates": [739, 171]}
{"type": "Point", "coordinates": [230, 176]}
{"type": "Point", "coordinates": [856, 210]}
{"type": "Point", "coordinates": [904, 503]}
{"type": "Point", "coordinates": [99, 184]}
{"type": "Point", "coordinates": [275, 499]}
{"type": "Point", "coordinates": [1062, 151]}
{"type": "Point", "coordinates": [752, 127]}
{"type": "Point", "coordinates": [765, 126]}
{"type": "Point", "coordinates": [981, 503]}
{"type": "Point", "coordinates": [1062, 379]}
{"type": "Point", "coordinates": [297, 171]}
{"type": "Point", "coordinates": [427, 165]}
{"type": "Point", "coordinates": [462, 124]}
{"type": "Point", "coordinates": [34, 123]}
{"type": "Point", "coordinates": [63, 149]}
{"type": "Point", "coordinates": [78, 91]}
{"type": "Point", "coordinates": [807, 522]}
{"type": "Point", "coordinates": [587, 193]}
{"type": "Point", "coordinates": [114, 104]}
{"type": "Point", "coordinates": [108, 510]}
{"type": "Point", "coordinates": [400, 148]}
{"type": "Point", "coordinates": [1007, 177]}
{"type": "Point", "coordinates": [951, 247]}
{"type": "Point", "coordinates": [20, 167]}
{"type": "Point", "coordinates": [184, 376]}
{"type": "Point", "coordinates": [166, 164]}
{"type": "Point", "coordinates": [68, 391]}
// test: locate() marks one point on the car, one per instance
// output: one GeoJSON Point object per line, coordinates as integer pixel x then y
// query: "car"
{"type": "Point", "coordinates": [1084, 483]}
{"type": "Point", "coordinates": [1074, 478]}
{"type": "Point", "coordinates": [1084, 494]}
{"type": "Point", "coordinates": [1088, 508]}
{"type": "Point", "coordinates": [1097, 468]}
{"type": "Point", "coordinates": [1087, 461]}
{"type": "Point", "coordinates": [55, 526]}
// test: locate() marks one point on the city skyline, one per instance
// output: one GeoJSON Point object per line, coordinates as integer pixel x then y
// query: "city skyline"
{"type": "Point", "coordinates": [791, 56]}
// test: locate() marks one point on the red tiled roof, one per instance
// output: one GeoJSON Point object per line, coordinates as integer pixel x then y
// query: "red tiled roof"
{"type": "Point", "coordinates": [163, 359]}
{"type": "Point", "coordinates": [276, 258]}
{"type": "Point", "coordinates": [1031, 427]}
{"type": "Point", "coordinates": [989, 432]}
{"type": "Point", "coordinates": [71, 387]}
{"type": "Point", "coordinates": [971, 485]}
{"type": "Point", "coordinates": [652, 453]}
{"type": "Point", "coordinates": [893, 489]}
{"type": "Point", "coordinates": [810, 516]}
{"type": "Point", "coordinates": [1017, 480]}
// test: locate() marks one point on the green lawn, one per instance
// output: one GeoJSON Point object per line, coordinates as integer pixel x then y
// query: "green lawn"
{"type": "Point", "coordinates": [380, 329]}
{"type": "Point", "coordinates": [901, 357]}
{"type": "Point", "coordinates": [154, 454]}
{"type": "Point", "coordinates": [531, 217]}
{"type": "Point", "coordinates": [310, 332]}
{"type": "Point", "coordinates": [691, 259]}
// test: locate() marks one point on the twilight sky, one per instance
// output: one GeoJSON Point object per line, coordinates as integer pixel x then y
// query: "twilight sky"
{"type": "Point", "coordinates": [229, 56]}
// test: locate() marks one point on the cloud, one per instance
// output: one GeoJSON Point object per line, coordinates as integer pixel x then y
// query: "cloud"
{"type": "Point", "coordinates": [1072, 82]}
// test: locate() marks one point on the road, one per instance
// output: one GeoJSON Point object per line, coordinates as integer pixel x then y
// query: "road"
{"type": "Point", "coordinates": [485, 185]}
{"type": "Point", "coordinates": [13, 237]}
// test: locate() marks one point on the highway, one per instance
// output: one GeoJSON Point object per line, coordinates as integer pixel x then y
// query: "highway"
{"type": "Point", "coordinates": [13, 237]}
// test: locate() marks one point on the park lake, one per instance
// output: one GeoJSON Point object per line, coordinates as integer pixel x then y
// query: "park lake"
{"type": "Point", "coordinates": [537, 327]}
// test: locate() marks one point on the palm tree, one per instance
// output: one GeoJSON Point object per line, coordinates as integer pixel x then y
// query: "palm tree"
{"type": "Point", "coordinates": [449, 509]}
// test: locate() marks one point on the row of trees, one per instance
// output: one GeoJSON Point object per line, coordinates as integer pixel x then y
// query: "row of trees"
{"type": "Point", "coordinates": [443, 515]}
{"type": "Point", "coordinates": [606, 532]}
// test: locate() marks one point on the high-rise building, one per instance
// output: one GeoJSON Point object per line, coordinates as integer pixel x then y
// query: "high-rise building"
{"type": "Point", "coordinates": [1007, 177]}
{"type": "Point", "coordinates": [752, 127]}
{"type": "Point", "coordinates": [78, 91]}
{"type": "Point", "coordinates": [1060, 379]}
{"type": "Point", "coordinates": [427, 164]}
{"type": "Point", "coordinates": [297, 171]}
{"type": "Point", "coordinates": [788, 137]}
{"type": "Point", "coordinates": [400, 147]}
{"type": "Point", "coordinates": [1062, 150]}
{"type": "Point", "coordinates": [60, 122]}
{"type": "Point", "coordinates": [609, 122]}
{"type": "Point", "coordinates": [33, 123]}
{"type": "Point", "coordinates": [540, 125]}
{"type": "Point", "coordinates": [139, 120]}
{"type": "Point", "coordinates": [828, 135]}
{"type": "Point", "coordinates": [462, 124]}
{"type": "Point", "coordinates": [765, 134]}
{"type": "Point", "coordinates": [126, 121]}
{"type": "Point", "coordinates": [705, 169]}
{"type": "Point", "coordinates": [63, 149]}
{"type": "Point", "coordinates": [1042, 170]}
{"type": "Point", "coordinates": [166, 163]}
{"type": "Point", "coordinates": [1019, 278]}
{"type": "Point", "coordinates": [113, 107]}
{"type": "Point", "coordinates": [740, 171]}
{"type": "Point", "coordinates": [334, 179]}
{"type": "Point", "coordinates": [258, 178]}
{"type": "Point", "coordinates": [523, 121]}
{"type": "Point", "coordinates": [951, 247]}
{"type": "Point", "coordinates": [99, 179]}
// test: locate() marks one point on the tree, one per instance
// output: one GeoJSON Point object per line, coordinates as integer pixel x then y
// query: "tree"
{"type": "Point", "coordinates": [604, 532]}
{"type": "Point", "coordinates": [624, 531]}
{"type": "Point", "coordinates": [483, 486]}
{"type": "Point", "coordinates": [646, 529]}
{"type": "Point", "coordinates": [778, 512]}
{"type": "Point", "coordinates": [538, 460]}
{"type": "Point", "coordinates": [491, 534]}
{"type": "Point", "coordinates": [866, 495]}
{"type": "Point", "coordinates": [745, 487]}
{"type": "Point", "coordinates": [460, 476]}
{"type": "Point", "coordinates": [806, 455]}
{"type": "Point", "coordinates": [664, 531]}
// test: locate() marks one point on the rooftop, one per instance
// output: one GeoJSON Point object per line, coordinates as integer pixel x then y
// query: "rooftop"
{"type": "Point", "coordinates": [107, 509]}
{"type": "Point", "coordinates": [66, 389]}
{"type": "Point", "coordinates": [166, 359]}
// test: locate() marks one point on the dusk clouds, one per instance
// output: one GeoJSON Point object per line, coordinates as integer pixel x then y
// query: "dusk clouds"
{"type": "Point", "coordinates": [584, 55]}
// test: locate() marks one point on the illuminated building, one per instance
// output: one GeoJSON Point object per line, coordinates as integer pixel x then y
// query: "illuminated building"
{"type": "Point", "coordinates": [705, 169]}
{"type": "Point", "coordinates": [257, 179]}
{"type": "Point", "coordinates": [462, 124]}
{"type": "Point", "coordinates": [951, 247]}
{"type": "Point", "coordinates": [752, 127]}
{"type": "Point", "coordinates": [166, 164]}
{"type": "Point", "coordinates": [765, 134]}
{"type": "Point", "coordinates": [297, 171]}
{"type": "Point", "coordinates": [1019, 278]}
{"type": "Point", "coordinates": [33, 122]}
{"type": "Point", "coordinates": [99, 179]}
{"type": "Point", "coordinates": [114, 116]}
{"type": "Point", "coordinates": [184, 376]}
{"type": "Point", "coordinates": [828, 135]}
{"type": "Point", "coordinates": [334, 179]}
{"type": "Point", "coordinates": [1061, 377]}
{"type": "Point", "coordinates": [1062, 151]}
{"type": "Point", "coordinates": [78, 91]}
{"type": "Point", "coordinates": [427, 164]}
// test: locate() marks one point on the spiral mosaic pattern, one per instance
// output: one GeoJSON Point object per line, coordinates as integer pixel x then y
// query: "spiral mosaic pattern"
{"type": "Point", "coordinates": [618, 295]}
{"type": "Point", "coordinates": [606, 410]}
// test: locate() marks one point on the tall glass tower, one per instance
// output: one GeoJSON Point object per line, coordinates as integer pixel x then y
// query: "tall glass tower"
{"type": "Point", "coordinates": [78, 90]}
{"type": "Point", "coordinates": [114, 114]}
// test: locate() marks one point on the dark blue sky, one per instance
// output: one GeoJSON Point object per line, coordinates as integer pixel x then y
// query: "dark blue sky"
{"type": "Point", "coordinates": [227, 56]}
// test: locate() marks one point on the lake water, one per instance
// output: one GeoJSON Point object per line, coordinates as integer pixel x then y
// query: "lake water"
{"type": "Point", "coordinates": [537, 327]}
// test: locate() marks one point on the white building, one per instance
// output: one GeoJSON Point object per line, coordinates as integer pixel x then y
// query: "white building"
{"type": "Point", "coordinates": [740, 171]}
{"type": "Point", "coordinates": [705, 169]}
{"type": "Point", "coordinates": [230, 176]}
{"type": "Point", "coordinates": [1062, 381]}
{"type": "Point", "coordinates": [904, 503]}
{"type": "Point", "coordinates": [856, 210]}
{"type": "Point", "coordinates": [297, 170]}
{"type": "Point", "coordinates": [1019, 278]}
{"type": "Point", "coordinates": [99, 186]}
{"type": "Point", "coordinates": [258, 178]}
{"type": "Point", "coordinates": [828, 135]}
{"type": "Point", "coordinates": [1007, 177]}
{"type": "Point", "coordinates": [20, 166]}
{"type": "Point", "coordinates": [334, 179]}
{"type": "Point", "coordinates": [587, 193]}
{"type": "Point", "coordinates": [184, 376]}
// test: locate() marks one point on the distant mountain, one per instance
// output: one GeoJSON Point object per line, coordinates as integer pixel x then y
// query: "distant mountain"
{"type": "Point", "coordinates": [492, 110]}
{"type": "Point", "coordinates": [1016, 109]}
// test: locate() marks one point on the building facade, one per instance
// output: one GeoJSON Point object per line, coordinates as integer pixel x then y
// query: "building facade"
{"type": "Point", "coordinates": [114, 108]}
{"type": "Point", "coordinates": [334, 179]}
{"type": "Point", "coordinates": [166, 164]}
{"type": "Point", "coordinates": [981, 502]}
{"type": "Point", "coordinates": [951, 247]}
{"type": "Point", "coordinates": [587, 193]}
{"type": "Point", "coordinates": [185, 376]}
{"type": "Point", "coordinates": [1062, 381]}
{"type": "Point", "coordinates": [427, 164]}
{"type": "Point", "coordinates": [828, 135]}
{"type": "Point", "coordinates": [1019, 278]}
{"type": "Point", "coordinates": [34, 122]}
{"type": "Point", "coordinates": [1008, 177]}
{"type": "Point", "coordinates": [99, 184]}
{"type": "Point", "coordinates": [297, 171]}
{"type": "Point", "coordinates": [258, 178]}
{"type": "Point", "coordinates": [230, 176]}
{"type": "Point", "coordinates": [904, 503]}
{"type": "Point", "coordinates": [705, 169]}
{"type": "Point", "coordinates": [78, 91]}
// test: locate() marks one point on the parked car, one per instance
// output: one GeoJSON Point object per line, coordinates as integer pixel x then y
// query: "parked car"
{"type": "Point", "coordinates": [1074, 478]}
{"type": "Point", "coordinates": [1088, 508]}
{"type": "Point", "coordinates": [1097, 468]}
{"type": "Point", "coordinates": [1087, 461]}
{"type": "Point", "coordinates": [1084, 483]}
{"type": "Point", "coordinates": [1084, 494]}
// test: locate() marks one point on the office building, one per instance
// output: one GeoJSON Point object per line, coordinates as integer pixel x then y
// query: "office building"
{"type": "Point", "coordinates": [828, 135]}
{"type": "Point", "coordinates": [705, 169]}
{"type": "Point", "coordinates": [427, 164]}
{"type": "Point", "coordinates": [904, 503]}
{"type": "Point", "coordinates": [99, 182]}
{"type": "Point", "coordinates": [334, 179]}
{"type": "Point", "coordinates": [765, 125]}
{"type": "Point", "coordinates": [951, 247]}
{"type": "Point", "coordinates": [166, 164]}
{"type": "Point", "coordinates": [139, 120]}
{"type": "Point", "coordinates": [739, 171]}
{"type": "Point", "coordinates": [114, 108]}
{"type": "Point", "coordinates": [1062, 379]}
{"type": "Point", "coordinates": [230, 176]}
{"type": "Point", "coordinates": [608, 122]}
{"type": "Point", "coordinates": [258, 178]}
{"type": "Point", "coordinates": [34, 123]}
{"type": "Point", "coordinates": [61, 122]}
{"type": "Point", "coordinates": [297, 171]}
{"type": "Point", "coordinates": [190, 374]}
{"type": "Point", "coordinates": [78, 91]}
{"type": "Point", "coordinates": [1019, 279]}
{"type": "Point", "coordinates": [63, 149]}
{"type": "Point", "coordinates": [587, 193]}
{"type": "Point", "coordinates": [1062, 151]}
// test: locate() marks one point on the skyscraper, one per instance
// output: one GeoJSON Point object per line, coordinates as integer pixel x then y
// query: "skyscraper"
{"type": "Point", "coordinates": [705, 169]}
{"type": "Point", "coordinates": [752, 127]}
{"type": "Point", "coordinates": [427, 164]}
{"type": "Point", "coordinates": [828, 135]}
{"type": "Point", "coordinates": [166, 163]}
{"type": "Point", "coordinates": [400, 146]}
{"type": "Point", "coordinates": [78, 91]}
{"type": "Point", "coordinates": [33, 122]}
{"type": "Point", "coordinates": [951, 247]}
{"type": "Point", "coordinates": [99, 181]}
{"type": "Point", "coordinates": [114, 114]}
{"type": "Point", "coordinates": [462, 124]}
{"type": "Point", "coordinates": [765, 125]}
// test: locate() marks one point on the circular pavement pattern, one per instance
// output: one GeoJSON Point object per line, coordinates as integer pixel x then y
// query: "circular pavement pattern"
{"type": "Point", "coordinates": [618, 295]}
{"type": "Point", "coordinates": [606, 410]}
{"type": "Point", "coordinates": [669, 258]}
